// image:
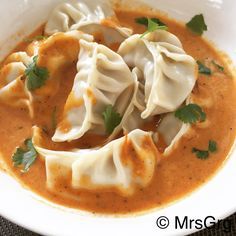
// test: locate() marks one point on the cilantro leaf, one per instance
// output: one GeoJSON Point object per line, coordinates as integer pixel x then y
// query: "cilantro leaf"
{"type": "Point", "coordinates": [212, 146]}
{"type": "Point", "coordinates": [111, 118]}
{"type": "Point", "coordinates": [197, 24]}
{"type": "Point", "coordinates": [204, 154]}
{"type": "Point", "coordinates": [144, 21]}
{"type": "Point", "coordinates": [36, 38]}
{"type": "Point", "coordinates": [36, 76]}
{"type": "Point", "coordinates": [54, 118]}
{"type": "Point", "coordinates": [221, 68]}
{"type": "Point", "coordinates": [191, 113]}
{"type": "Point", "coordinates": [202, 69]}
{"type": "Point", "coordinates": [201, 154]}
{"type": "Point", "coordinates": [152, 26]}
{"type": "Point", "coordinates": [25, 157]}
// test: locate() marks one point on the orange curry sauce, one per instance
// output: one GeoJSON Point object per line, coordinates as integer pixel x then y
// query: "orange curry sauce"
{"type": "Point", "coordinates": [175, 176]}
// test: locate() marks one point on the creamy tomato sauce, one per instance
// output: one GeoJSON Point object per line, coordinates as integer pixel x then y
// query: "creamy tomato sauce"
{"type": "Point", "coordinates": [175, 176]}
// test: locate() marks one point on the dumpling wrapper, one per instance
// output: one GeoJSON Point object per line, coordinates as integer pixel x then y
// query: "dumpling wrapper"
{"type": "Point", "coordinates": [121, 165]}
{"type": "Point", "coordinates": [103, 79]}
{"type": "Point", "coordinates": [168, 73]}
{"type": "Point", "coordinates": [132, 119]}
{"type": "Point", "coordinates": [91, 17]}
{"type": "Point", "coordinates": [57, 52]}
{"type": "Point", "coordinates": [172, 130]}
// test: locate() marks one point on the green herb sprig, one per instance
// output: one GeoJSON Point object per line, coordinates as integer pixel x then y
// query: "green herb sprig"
{"type": "Point", "coordinates": [191, 114]}
{"type": "Point", "coordinates": [25, 156]}
{"type": "Point", "coordinates": [111, 118]}
{"type": "Point", "coordinates": [152, 24]}
{"type": "Point", "coordinates": [219, 67]}
{"type": "Point", "coordinates": [144, 21]}
{"type": "Point", "coordinates": [202, 69]}
{"type": "Point", "coordinates": [197, 24]}
{"type": "Point", "coordinates": [204, 154]}
{"type": "Point", "coordinates": [35, 76]}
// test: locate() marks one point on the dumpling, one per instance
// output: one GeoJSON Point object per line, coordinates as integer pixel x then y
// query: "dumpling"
{"type": "Point", "coordinates": [121, 165]}
{"type": "Point", "coordinates": [12, 87]}
{"type": "Point", "coordinates": [103, 79]}
{"type": "Point", "coordinates": [92, 17]}
{"type": "Point", "coordinates": [168, 74]}
{"type": "Point", "coordinates": [55, 53]}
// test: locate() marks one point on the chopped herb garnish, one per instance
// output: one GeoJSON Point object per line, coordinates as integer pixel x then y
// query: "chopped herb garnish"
{"type": "Point", "coordinates": [197, 24]}
{"type": "Point", "coordinates": [152, 26]}
{"type": "Point", "coordinates": [212, 146]}
{"type": "Point", "coordinates": [220, 68]}
{"type": "Point", "coordinates": [111, 118]}
{"type": "Point", "coordinates": [190, 113]}
{"type": "Point", "coordinates": [204, 154]}
{"type": "Point", "coordinates": [202, 69]}
{"type": "Point", "coordinates": [36, 38]}
{"type": "Point", "coordinates": [144, 21]}
{"type": "Point", "coordinates": [54, 118]}
{"type": "Point", "coordinates": [201, 154]}
{"type": "Point", "coordinates": [25, 157]}
{"type": "Point", "coordinates": [36, 76]}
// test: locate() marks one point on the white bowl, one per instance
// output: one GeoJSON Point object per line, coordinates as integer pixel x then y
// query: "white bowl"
{"type": "Point", "coordinates": [216, 198]}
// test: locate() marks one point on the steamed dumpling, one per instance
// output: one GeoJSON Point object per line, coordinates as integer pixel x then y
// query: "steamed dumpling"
{"type": "Point", "coordinates": [103, 79]}
{"type": "Point", "coordinates": [122, 164]}
{"type": "Point", "coordinates": [168, 75]}
{"type": "Point", "coordinates": [92, 17]}
{"type": "Point", "coordinates": [54, 53]}
{"type": "Point", "coordinates": [12, 86]}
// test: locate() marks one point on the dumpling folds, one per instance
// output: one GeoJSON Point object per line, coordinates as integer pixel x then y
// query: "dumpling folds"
{"type": "Point", "coordinates": [92, 17]}
{"type": "Point", "coordinates": [121, 165]}
{"type": "Point", "coordinates": [103, 79]}
{"type": "Point", "coordinates": [55, 53]}
{"type": "Point", "coordinates": [167, 75]}
{"type": "Point", "coordinates": [132, 119]}
{"type": "Point", "coordinates": [172, 129]}
{"type": "Point", "coordinates": [12, 87]}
